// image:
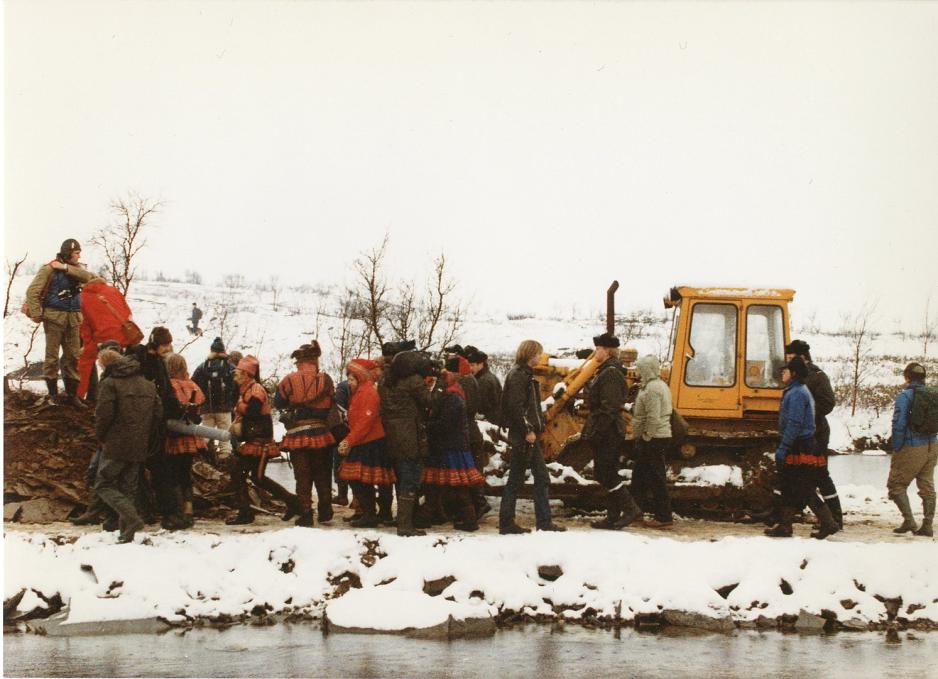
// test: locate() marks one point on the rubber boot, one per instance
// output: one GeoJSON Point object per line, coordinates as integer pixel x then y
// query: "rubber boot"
{"type": "Point", "coordinates": [613, 512]}
{"type": "Point", "coordinates": [836, 510]}
{"type": "Point", "coordinates": [908, 520]}
{"type": "Point", "coordinates": [241, 518]}
{"type": "Point", "coordinates": [467, 520]}
{"type": "Point", "coordinates": [405, 516]}
{"type": "Point", "coordinates": [385, 498]}
{"type": "Point", "coordinates": [305, 519]}
{"type": "Point", "coordinates": [366, 497]}
{"type": "Point", "coordinates": [629, 508]}
{"type": "Point", "coordinates": [53, 388]}
{"type": "Point", "coordinates": [71, 391]}
{"type": "Point", "coordinates": [783, 528]}
{"type": "Point", "coordinates": [828, 525]}
{"type": "Point", "coordinates": [341, 497]}
{"type": "Point", "coordinates": [187, 513]}
{"type": "Point", "coordinates": [925, 530]}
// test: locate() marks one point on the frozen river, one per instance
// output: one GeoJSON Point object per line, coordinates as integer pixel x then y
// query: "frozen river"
{"type": "Point", "coordinates": [533, 651]}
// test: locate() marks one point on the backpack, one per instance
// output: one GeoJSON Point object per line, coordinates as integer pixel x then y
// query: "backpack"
{"type": "Point", "coordinates": [923, 416]}
{"type": "Point", "coordinates": [42, 296]}
{"type": "Point", "coordinates": [219, 383]}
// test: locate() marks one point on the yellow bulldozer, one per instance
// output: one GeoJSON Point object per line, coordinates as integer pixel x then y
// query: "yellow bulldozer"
{"type": "Point", "coordinates": [726, 349]}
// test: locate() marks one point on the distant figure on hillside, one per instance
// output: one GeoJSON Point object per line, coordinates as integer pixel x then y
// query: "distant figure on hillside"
{"type": "Point", "coordinates": [54, 299]}
{"type": "Point", "coordinates": [194, 319]}
{"type": "Point", "coordinates": [915, 451]}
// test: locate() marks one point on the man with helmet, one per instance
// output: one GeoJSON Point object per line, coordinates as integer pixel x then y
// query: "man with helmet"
{"type": "Point", "coordinates": [54, 298]}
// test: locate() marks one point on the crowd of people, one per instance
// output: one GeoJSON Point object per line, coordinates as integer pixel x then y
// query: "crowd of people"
{"type": "Point", "coordinates": [401, 424]}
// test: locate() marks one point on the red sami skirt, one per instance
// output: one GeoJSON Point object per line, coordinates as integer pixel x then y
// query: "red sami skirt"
{"type": "Point", "coordinates": [452, 469]}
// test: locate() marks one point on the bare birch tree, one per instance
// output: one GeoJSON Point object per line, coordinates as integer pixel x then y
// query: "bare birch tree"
{"type": "Point", "coordinates": [929, 327]}
{"type": "Point", "coordinates": [859, 336]}
{"type": "Point", "coordinates": [124, 237]}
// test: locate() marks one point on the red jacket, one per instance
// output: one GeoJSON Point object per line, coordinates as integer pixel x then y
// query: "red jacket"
{"type": "Point", "coordinates": [99, 322]}
{"type": "Point", "coordinates": [364, 415]}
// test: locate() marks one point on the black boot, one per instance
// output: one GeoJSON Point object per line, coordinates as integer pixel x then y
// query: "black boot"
{"type": "Point", "coordinates": [630, 509]}
{"type": "Point", "coordinates": [71, 391]}
{"type": "Point", "coordinates": [926, 529]}
{"type": "Point", "coordinates": [405, 517]}
{"type": "Point", "coordinates": [827, 525]}
{"type": "Point", "coordinates": [305, 520]}
{"type": "Point", "coordinates": [613, 512]}
{"type": "Point", "coordinates": [366, 498]}
{"type": "Point", "coordinates": [385, 498]}
{"type": "Point", "coordinates": [783, 528]}
{"type": "Point", "coordinates": [243, 517]}
{"type": "Point", "coordinates": [53, 387]}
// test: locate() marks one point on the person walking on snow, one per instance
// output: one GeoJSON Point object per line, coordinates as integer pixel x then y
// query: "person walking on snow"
{"type": "Point", "coordinates": [914, 455]}
{"type": "Point", "coordinates": [521, 415]}
{"type": "Point", "coordinates": [799, 460]}
{"type": "Point", "coordinates": [605, 431]}
{"type": "Point", "coordinates": [819, 385]}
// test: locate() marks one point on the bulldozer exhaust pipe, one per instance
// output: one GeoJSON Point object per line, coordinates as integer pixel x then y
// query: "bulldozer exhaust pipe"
{"type": "Point", "coordinates": [611, 308]}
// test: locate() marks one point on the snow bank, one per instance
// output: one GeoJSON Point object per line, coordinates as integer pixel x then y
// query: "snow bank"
{"type": "Point", "coordinates": [184, 576]}
{"type": "Point", "coordinates": [381, 608]}
{"type": "Point", "coordinates": [710, 475]}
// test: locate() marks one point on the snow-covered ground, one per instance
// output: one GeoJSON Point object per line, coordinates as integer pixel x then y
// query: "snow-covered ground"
{"type": "Point", "coordinates": [189, 575]}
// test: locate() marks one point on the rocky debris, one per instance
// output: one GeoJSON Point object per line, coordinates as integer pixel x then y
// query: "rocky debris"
{"type": "Point", "coordinates": [343, 582]}
{"type": "Point", "coordinates": [809, 622]}
{"type": "Point", "coordinates": [436, 587]}
{"type": "Point", "coordinates": [549, 573]}
{"type": "Point", "coordinates": [727, 590]}
{"type": "Point", "coordinates": [698, 621]}
{"type": "Point", "coordinates": [30, 604]}
{"type": "Point", "coordinates": [855, 624]}
{"type": "Point", "coordinates": [892, 606]}
{"type": "Point", "coordinates": [46, 451]}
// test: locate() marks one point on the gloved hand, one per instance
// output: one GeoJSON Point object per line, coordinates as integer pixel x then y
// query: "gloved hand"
{"type": "Point", "coordinates": [779, 457]}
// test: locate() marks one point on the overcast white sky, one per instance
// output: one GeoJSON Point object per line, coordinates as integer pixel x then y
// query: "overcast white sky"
{"type": "Point", "coordinates": [547, 148]}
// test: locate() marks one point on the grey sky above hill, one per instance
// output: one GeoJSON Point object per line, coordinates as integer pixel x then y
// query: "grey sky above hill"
{"type": "Point", "coordinates": [546, 148]}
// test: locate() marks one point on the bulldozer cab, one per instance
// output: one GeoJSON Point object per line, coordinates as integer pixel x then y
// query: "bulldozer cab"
{"type": "Point", "coordinates": [727, 350]}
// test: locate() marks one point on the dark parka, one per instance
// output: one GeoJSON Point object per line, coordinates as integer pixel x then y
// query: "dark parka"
{"type": "Point", "coordinates": [819, 385]}
{"type": "Point", "coordinates": [521, 403]}
{"type": "Point", "coordinates": [404, 403]}
{"type": "Point", "coordinates": [607, 393]}
{"type": "Point", "coordinates": [153, 368]}
{"type": "Point", "coordinates": [446, 429]}
{"type": "Point", "coordinates": [127, 413]}
{"type": "Point", "coordinates": [470, 387]}
{"type": "Point", "coordinates": [490, 394]}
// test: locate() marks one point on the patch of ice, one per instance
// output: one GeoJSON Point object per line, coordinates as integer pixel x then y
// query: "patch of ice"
{"type": "Point", "coordinates": [385, 609]}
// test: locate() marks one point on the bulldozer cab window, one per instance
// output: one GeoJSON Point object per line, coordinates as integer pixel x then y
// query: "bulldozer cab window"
{"type": "Point", "coordinates": [765, 346]}
{"type": "Point", "coordinates": [712, 355]}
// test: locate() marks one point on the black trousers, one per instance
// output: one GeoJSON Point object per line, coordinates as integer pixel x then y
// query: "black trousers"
{"type": "Point", "coordinates": [606, 447]}
{"type": "Point", "coordinates": [649, 476]}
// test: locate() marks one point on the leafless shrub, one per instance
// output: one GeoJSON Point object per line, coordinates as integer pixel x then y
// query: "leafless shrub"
{"type": "Point", "coordinates": [858, 335]}
{"type": "Point", "coordinates": [124, 237]}
{"type": "Point", "coordinates": [12, 269]}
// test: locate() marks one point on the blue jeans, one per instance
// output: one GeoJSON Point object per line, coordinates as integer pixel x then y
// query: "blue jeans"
{"type": "Point", "coordinates": [409, 473]}
{"type": "Point", "coordinates": [523, 456]}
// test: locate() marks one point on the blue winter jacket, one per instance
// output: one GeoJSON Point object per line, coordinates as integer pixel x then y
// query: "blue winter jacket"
{"type": "Point", "coordinates": [64, 293]}
{"type": "Point", "coordinates": [795, 416]}
{"type": "Point", "coordinates": [902, 434]}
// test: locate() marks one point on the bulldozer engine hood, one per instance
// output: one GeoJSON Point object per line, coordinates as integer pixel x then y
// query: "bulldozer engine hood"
{"type": "Point", "coordinates": [649, 368]}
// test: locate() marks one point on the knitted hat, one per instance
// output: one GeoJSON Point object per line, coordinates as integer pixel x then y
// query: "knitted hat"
{"type": "Point", "coordinates": [798, 367]}
{"type": "Point", "coordinates": [250, 365]}
{"type": "Point", "coordinates": [307, 351]}
{"type": "Point", "coordinates": [455, 349]}
{"type": "Point", "coordinates": [69, 246]}
{"type": "Point", "coordinates": [218, 346]}
{"type": "Point", "coordinates": [606, 340]}
{"type": "Point", "coordinates": [160, 336]}
{"type": "Point", "coordinates": [477, 357]}
{"type": "Point", "coordinates": [798, 347]}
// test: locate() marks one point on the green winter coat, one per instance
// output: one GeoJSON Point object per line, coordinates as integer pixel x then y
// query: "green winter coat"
{"type": "Point", "coordinates": [490, 395]}
{"type": "Point", "coordinates": [824, 401]}
{"type": "Point", "coordinates": [127, 415]}
{"type": "Point", "coordinates": [404, 416]}
{"type": "Point", "coordinates": [607, 393]}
